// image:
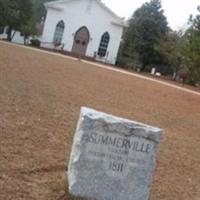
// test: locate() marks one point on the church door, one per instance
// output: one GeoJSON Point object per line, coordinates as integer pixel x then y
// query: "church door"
{"type": "Point", "coordinates": [81, 40]}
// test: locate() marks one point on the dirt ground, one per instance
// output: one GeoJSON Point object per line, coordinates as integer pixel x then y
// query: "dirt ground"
{"type": "Point", "coordinates": [40, 100]}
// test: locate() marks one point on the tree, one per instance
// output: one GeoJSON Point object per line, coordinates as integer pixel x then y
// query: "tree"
{"type": "Point", "coordinates": [192, 48]}
{"type": "Point", "coordinates": [10, 15]}
{"type": "Point", "coordinates": [29, 29]}
{"type": "Point", "coordinates": [172, 48]}
{"type": "Point", "coordinates": [147, 27]}
{"type": "Point", "coordinates": [127, 56]}
{"type": "Point", "coordinates": [2, 14]}
{"type": "Point", "coordinates": [40, 9]}
{"type": "Point", "coordinates": [15, 14]}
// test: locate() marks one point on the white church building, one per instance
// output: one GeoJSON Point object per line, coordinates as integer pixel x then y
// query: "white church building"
{"type": "Point", "coordinates": [83, 27]}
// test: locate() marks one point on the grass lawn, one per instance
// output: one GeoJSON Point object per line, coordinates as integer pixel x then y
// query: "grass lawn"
{"type": "Point", "coordinates": [40, 100]}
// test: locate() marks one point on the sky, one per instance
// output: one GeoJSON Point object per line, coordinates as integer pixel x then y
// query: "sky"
{"type": "Point", "coordinates": [176, 11]}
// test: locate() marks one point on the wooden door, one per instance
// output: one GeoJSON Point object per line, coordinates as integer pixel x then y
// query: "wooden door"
{"type": "Point", "coordinates": [81, 41]}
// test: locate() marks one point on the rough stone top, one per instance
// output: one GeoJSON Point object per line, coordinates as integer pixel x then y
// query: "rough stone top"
{"type": "Point", "coordinates": [130, 127]}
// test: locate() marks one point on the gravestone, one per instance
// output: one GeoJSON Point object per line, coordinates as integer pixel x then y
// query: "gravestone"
{"type": "Point", "coordinates": [112, 158]}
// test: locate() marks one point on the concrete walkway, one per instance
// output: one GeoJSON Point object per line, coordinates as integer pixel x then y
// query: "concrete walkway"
{"type": "Point", "coordinates": [109, 68]}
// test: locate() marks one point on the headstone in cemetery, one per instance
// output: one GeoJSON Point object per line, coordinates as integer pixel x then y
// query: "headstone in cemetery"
{"type": "Point", "coordinates": [158, 74]}
{"type": "Point", "coordinates": [153, 71]}
{"type": "Point", "coordinates": [112, 158]}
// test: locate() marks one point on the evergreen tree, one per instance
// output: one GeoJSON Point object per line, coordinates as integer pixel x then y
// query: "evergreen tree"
{"type": "Point", "coordinates": [172, 48]}
{"type": "Point", "coordinates": [192, 48]}
{"type": "Point", "coordinates": [147, 27]}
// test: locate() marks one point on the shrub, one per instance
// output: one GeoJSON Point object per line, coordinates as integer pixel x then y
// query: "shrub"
{"type": "Point", "coordinates": [35, 42]}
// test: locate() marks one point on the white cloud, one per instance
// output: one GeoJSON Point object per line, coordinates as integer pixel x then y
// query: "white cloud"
{"type": "Point", "coordinates": [176, 11]}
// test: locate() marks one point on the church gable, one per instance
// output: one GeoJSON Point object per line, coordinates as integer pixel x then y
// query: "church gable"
{"type": "Point", "coordinates": [59, 5]}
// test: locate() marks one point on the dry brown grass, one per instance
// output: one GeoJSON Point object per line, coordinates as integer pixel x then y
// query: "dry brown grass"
{"type": "Point", "coordinates": [40, 99]}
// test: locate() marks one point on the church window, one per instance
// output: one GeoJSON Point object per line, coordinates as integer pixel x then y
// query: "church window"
{"type": "Point", "coordinates": [58, 35]}
{"type": "Point", "coordinates": [104, 44]}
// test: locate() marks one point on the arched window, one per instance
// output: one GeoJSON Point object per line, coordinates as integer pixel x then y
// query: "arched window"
{"type": "Point", "coordinates": [104, 44]}
{"type": "Point", "coordinates": [58, 35]}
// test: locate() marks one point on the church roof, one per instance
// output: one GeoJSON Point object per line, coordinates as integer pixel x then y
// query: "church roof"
{"type": "Point", "coordinates": [54, 4]}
